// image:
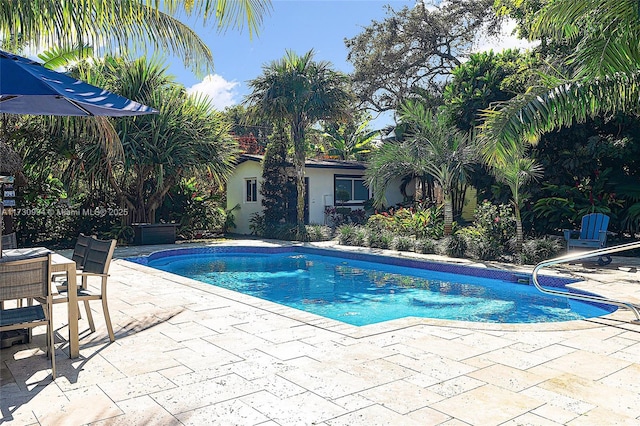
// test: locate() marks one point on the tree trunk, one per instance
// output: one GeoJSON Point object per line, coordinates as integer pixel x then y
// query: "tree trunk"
{"type": "Point", "coordinates": [519, 234]}
{"type": "Point", "coordinates": [155, 200]}
{"type": "Point", "coordinates": [299, 156]}
{"type": "Point", "coordinates": [448, 214]}
{"type": "Point", "coordinates": [460, 193]}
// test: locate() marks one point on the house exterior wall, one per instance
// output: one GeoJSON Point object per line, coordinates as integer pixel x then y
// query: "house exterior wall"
{"type": "Point", "coordinates": [321, 192]}
{"type": "Point", "coordinates": [393, 194]}
{"type": "Point", "coordinates": [236, 195]}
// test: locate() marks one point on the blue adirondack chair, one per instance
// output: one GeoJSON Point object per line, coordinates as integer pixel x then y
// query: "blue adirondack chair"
{"type": "Point", "coordinates": [591, 236]}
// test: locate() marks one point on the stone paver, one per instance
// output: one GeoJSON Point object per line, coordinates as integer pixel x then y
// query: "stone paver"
{"type": "Point", "coordinates": [188, 353]}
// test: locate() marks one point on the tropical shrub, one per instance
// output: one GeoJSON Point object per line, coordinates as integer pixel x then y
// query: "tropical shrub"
{"type": "Point", "coordinates": [537, 250]}
{"type": "Point", "coordinates": [421, 222]}
{"type": "Point", "coordinates": [496, 220]}
{"type": "Point", "coordinates": [564, 205]}
{"type": "Point", "coordinates": [284, 231]}
{"type": "Point", "coordinates": [360, 237]}
{"type": "Point", "coordinates": [36, 218]}
{"type": "Point", "coordinates": [280, 231]}
{"type": "Point", "coordinates": [454, 245]}
{"type": "Point", "coordinates": [494, 226]}
{"type": "Point", "coordinates": [402, 222]}
{"type": "Point", "coordinates": [346, 234]}
{"type": "Point", "coordinates": [382, 239]}
{"type": "Point", "coordinates": [47, 215]}
{"type": "Point", "coordinates": [337, 216]}
{"type": "Point", "coordinates": [428, 222]}
{"type": "Point", "coordinates": [426, 246]}
{"type": "Point", "coordinates": [403, 243]}
{"type": "Point", "coordinates": [318, 233]}
{"type": "Point", "coordinates": [123, 233]}
{"type": "Point", "coordinates": [480, 244]}
{"type": "Point", "coordinates": [381, 222]}
{"type": "Point", "coordinates": [257, 224]}
{"type": "Point", "coordinates": [195, 208]}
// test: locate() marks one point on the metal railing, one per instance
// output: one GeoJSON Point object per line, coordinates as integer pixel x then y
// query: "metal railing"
{"type": "Point", "coordinates": [580, 256]}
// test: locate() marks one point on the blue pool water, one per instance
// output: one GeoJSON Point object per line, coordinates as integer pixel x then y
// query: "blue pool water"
{"type": "Point", "coordinates": [359, 291]}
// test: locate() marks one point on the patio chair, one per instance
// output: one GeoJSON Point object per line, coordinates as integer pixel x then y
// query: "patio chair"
{"type": "Point", "coordinates": [78, 256]}
{"type": "Point", "coordinates": [9, 241]}
{"type": "Point", "coordinates": [591, 236]}
{"type": "Point", "coordinates": [28, 278]}
{"type": "Point", "coordinates": [96, 264]}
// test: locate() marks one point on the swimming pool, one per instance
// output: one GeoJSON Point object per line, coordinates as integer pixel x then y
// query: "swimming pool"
{"type": "Point", "coordinates": [362, 289]}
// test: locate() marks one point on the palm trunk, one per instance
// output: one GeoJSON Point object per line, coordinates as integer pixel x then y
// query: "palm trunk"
{"type": "Point", "coordinates": [299, 157]}
{"type": "Point", "coordinates": [519, 233]}
{"type": "Point", "coordinates": [448, 214]}
{"type": "Point", "coordinates": [300, 170]}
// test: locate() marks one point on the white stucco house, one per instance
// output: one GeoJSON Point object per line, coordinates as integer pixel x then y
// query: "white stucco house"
{"type": "Point", "coordinates": [325, 179]}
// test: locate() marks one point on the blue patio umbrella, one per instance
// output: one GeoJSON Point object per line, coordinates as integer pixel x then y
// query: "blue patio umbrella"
{"type": "Point", "coordinates": [26, 87]}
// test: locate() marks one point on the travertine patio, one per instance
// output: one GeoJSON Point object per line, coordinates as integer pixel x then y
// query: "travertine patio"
{"type": "Point", "coordinates": [189, 353]}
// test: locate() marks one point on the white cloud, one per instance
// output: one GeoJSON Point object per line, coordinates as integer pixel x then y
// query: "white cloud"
{"type": "Point", "coordinates": [505, 40]}
{"type": "Point", "coordinates": [221, 92]}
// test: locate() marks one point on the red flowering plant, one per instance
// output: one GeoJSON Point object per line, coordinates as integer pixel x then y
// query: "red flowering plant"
{"type": "Point", "coordinates": [417, 222]}
{"type": "Point", "coordinates": [337, 216]}
{"type": "Point", "coordinates": [493, 228]}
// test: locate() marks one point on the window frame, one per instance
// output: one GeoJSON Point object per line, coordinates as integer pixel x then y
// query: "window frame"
{"type": "Point", "coordinates": [253, 181]}
{"type": "Point", "coordinates": [352, 201]}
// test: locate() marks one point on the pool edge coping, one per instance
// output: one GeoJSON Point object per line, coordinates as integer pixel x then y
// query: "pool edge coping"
{"type": "Point", "coordinates": [354, 331]}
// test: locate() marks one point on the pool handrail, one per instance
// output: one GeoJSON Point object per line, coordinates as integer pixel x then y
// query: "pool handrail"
{"type": "Point", "coordinates": [580, 256]}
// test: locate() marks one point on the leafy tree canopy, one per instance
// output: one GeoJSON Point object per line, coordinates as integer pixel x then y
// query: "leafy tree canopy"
{"type": "Point", "coordinates": [186, 138]}
{"type": "Point", "coordinates": [603, 77]}
{"type": "Point", "coordinates": [485, 78]}
{"type": "Point", "coordinates": [411, 52]}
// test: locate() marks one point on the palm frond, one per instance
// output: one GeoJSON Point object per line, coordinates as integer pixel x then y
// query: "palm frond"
{"type": "Point", "coordinates": [57, 56]}
{"type": "Point", "coordinates": [116, 26]}
{"type": "Point", "coordinates": [524, 118]}
{"type": "Point", "coordinates": [607, 33]}
{"type": "Point", "coordinates": [563, 18]}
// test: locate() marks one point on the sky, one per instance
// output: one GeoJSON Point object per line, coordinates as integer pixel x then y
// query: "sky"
{"type": "Point", "coordinates": [298, 25]}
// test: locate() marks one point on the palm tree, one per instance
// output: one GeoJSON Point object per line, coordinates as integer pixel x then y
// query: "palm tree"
{"type": "Point", "coordinates": [605, 67]}
{"type": "Point", "coordinates": [187, 137]}
{"type": "Point", "coordinates": [349, 141]}
{"type": "Point", "coordinates": [299, 91]}
{"type": "Point", "coordinates": [121, 25]}
{"type": "Point", "coordinates": [515, 169]}
{"type": "Point", "coordinates": [430, 147]}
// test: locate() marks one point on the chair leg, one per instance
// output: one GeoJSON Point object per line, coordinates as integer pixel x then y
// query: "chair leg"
{"type": "Point", "coordinates": [53, 351]}
{"type": "Point", "coordinates": [51, 347]}
{"type": "Point", "coordinates": [87, 308]}
{"type": "Point", "coordinates": [107, 320]}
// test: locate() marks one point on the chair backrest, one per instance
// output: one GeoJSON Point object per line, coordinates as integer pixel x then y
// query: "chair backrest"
{"type": "Point", "coordinates": [80, 250]}
{"type": "Point", "coordinates": [592, 224]}
{"type": "Point", "coordinates": [25, 278]}
{"type": "Point", "coordinates": [99, 256]}
{"type": "Point", "coordinates": [9, 241]}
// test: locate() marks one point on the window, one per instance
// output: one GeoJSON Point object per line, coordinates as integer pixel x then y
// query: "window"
{"type": "Point", "coordinates": [251, 190]}
{"type": "Point", "coordinates": [349, 189]}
